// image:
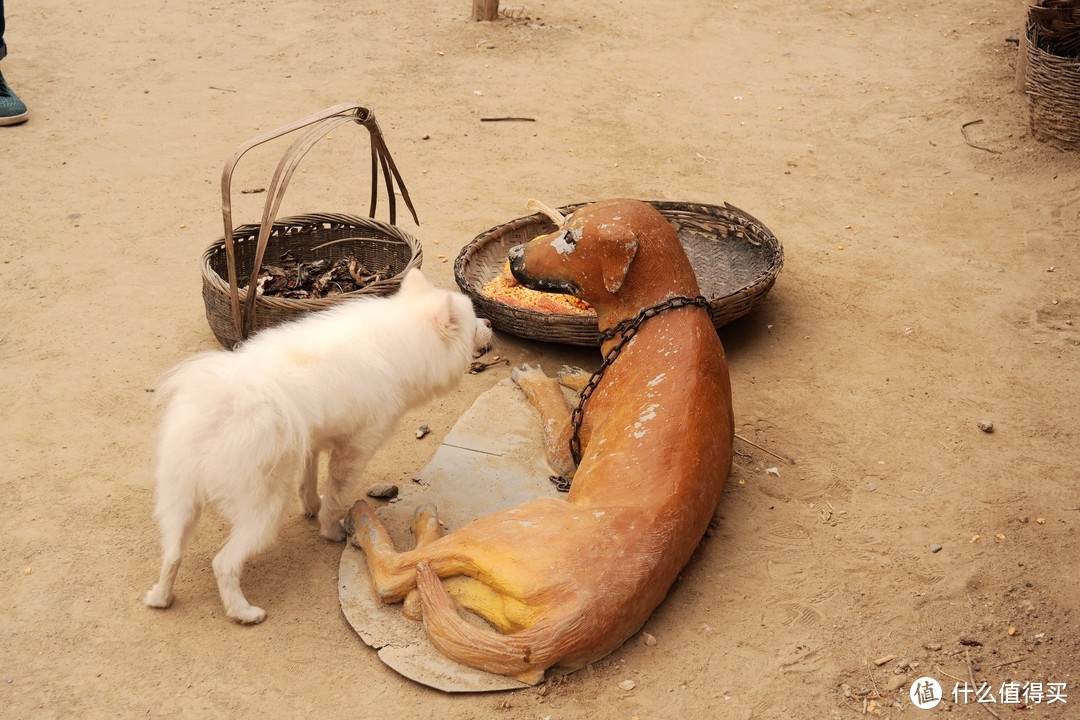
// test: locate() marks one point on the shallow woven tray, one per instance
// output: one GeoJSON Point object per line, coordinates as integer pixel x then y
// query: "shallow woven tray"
{"type": "Point", "coordinates": [373, 243]}
{"type": "Point", "coordinates": [230, 265]}
{"type": "Point", "coordinates": [735, 257]}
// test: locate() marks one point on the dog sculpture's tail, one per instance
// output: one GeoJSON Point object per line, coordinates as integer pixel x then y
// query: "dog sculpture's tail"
{"type": "Point", "coordinates": [524, 655]}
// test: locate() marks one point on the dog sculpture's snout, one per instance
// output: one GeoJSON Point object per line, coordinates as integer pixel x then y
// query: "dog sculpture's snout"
{"type": "Point", "coordinates": [516, 256]}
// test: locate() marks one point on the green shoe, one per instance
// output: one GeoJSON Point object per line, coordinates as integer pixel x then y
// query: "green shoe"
{"type": "Point", "coordinates": [12, 109]}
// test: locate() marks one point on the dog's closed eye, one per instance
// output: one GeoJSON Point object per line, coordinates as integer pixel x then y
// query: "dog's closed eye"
{"type": "Point", "coordinates": [566, 241]}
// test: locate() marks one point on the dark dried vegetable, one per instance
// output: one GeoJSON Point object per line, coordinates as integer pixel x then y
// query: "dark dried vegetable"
{"type": "Point", "coordinates": [315, 279]}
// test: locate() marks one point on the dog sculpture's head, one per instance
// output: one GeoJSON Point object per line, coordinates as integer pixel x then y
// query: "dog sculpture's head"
{"type": "Point", "coordinates": [592, 254]}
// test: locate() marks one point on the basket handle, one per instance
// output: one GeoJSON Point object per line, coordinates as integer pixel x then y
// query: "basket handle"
{"type": "Point", "coordinates": [317, 125]}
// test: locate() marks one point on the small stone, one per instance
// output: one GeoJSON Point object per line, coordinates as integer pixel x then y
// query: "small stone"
{"type": "Point", "coordinates": [382, 490]}
{"type": "Point", "coordinates": [935, 548]}
{"type": "Point", "coordinates": [932, 647]}
{"type": "Point", "coordinates": [627, 685]}
{"type": "Point", "coordinates": [897, 681]}
{"type": "Point", "coordinates": [648, 639]}
{"type": "Point", "coordinates": [422, 431]}
{"type": "Point", "coordinates": [986, 426]}
{"type": "Point", "coordinates": [884, 659]}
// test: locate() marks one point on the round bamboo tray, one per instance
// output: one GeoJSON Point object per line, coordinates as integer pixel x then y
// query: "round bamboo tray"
{"type": "Point", "coordinates": [735, 257]}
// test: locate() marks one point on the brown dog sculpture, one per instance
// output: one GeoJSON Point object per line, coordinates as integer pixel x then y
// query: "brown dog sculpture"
{"type": "Point", "coordinates": [565, 582]}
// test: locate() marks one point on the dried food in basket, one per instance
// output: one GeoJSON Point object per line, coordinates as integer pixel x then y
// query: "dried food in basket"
{"type": "Point", "coordinates": [317, 278]}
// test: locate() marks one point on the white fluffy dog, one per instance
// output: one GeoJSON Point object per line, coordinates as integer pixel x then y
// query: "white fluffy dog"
{"type": "Point", "coordinates": [241, 428]}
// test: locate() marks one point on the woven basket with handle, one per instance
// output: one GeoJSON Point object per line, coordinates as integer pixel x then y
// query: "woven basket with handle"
{"type": "Point", "coordinates": [735, 257]}
{"type": "Point", "coordinates": [231, 265]}
{"type": "Point", "coordinates": [1052, 47]}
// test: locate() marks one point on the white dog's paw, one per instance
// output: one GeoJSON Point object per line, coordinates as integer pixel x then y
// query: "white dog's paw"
{"type": "Point", "coordinates": [521, 374]}
{"type": "Point", "coordinates": [311, 504]}
{"type": "Point", "coordinates": [334, 533]}
{"type": "Point", "coordinates": [249, 615]}
{"type": "Point", "coordinates": [157, 597]}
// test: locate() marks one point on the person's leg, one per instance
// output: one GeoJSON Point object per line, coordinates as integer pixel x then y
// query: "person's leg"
{"type": "Point", "coordinates": [12, 109]}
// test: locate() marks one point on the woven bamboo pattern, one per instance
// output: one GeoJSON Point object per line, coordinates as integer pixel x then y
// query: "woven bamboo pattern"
{"type": "Point", "coordinates": [230, 265]}
{"type": "Point", "coordinates": [735, 257]}
{"type": "Point", "coordinates": [374, 243]}
{"type": "Point", "coordinates": [1053, 71]}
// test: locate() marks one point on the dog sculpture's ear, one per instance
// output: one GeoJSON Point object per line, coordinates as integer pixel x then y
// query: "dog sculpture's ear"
{"type": "Point", "coordinates": [618, 246]}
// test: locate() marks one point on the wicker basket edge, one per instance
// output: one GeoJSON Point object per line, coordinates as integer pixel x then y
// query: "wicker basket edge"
{"type": "Point", "coordinates": [274, 310]}
{"type": "Point", "coordinates": [583, 329]}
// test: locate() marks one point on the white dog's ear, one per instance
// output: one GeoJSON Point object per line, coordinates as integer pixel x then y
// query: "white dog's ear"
{"type": "Point", "coordinates": [445, 319]}
{"type": "Point", "coordinates": [618, 247]}
{"type": "Point", "coordinates": [414, 282]}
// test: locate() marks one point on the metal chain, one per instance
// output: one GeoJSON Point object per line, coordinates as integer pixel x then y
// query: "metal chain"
{"type": "Point", "coordinates": [628, 328]}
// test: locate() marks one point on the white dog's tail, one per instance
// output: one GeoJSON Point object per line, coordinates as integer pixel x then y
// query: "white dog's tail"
{"type": "Point", "coordinates": [524, 655]}
{"type": "Point", "coordinates": [250, 412]}
{"type": "Point", "coordinates": [209, 372]}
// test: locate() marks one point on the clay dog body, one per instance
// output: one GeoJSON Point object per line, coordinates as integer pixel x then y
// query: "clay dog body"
{"type": "Point", "coordinates": [565, 582]}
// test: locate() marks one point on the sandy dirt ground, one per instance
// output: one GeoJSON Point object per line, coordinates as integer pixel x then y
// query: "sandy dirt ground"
{"type": "Point", "coordinates": [929, 285]}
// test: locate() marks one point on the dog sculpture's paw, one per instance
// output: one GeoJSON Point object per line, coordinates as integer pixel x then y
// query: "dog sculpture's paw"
{"type": "Point", "coordinates": [524, 373]}
{"type": "Point", "coordinates": [411, 608]}
{"type": "Point", "coordinates": [158, 598]}
{"type": "Point", "coordinates": [425, 520]}
{"type": "Point", "coordinates": [357, 522]}
{"type": "Point", "coordinates": [573, 377]}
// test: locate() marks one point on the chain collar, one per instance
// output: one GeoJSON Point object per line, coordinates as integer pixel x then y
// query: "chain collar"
{"type": "Point", "coordinates": [627, 328]}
